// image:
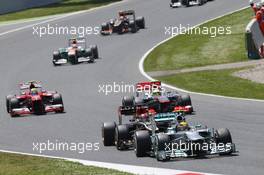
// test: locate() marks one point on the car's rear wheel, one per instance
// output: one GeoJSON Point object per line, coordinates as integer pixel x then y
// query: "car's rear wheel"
{"type": "Point", "coordinates": [108, 133]}
{"type": "Point", "coordinates": [128, 101]}
{"type": "Point", "coordinates": [140, 22]}
{"type": "Point", "coordinates": [186, 100]}
{"type": "Point", "coordinates": [133, 26]}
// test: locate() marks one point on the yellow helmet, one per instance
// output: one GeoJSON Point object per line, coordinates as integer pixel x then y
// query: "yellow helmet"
{"type": "Point", "coordinates": [184, 124]}
{"type": "Point", "coordinates": [34, 91]}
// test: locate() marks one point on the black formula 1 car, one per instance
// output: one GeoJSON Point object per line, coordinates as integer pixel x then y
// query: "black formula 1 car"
{"type": "Point", "coordinates": [122, 135]}
{"type": "Point", "coordinates": [186, 3]}
{"type": "Point", "coordinates": [126, 22]}
{"type": "Point", "coordinates": [34, 100]}
{"type": "Point", "coordinates": [76, 52]}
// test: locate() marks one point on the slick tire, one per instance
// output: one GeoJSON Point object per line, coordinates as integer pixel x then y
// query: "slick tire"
{"type": "Point", "coordinates": [95, 53]}
{"type": "Point", "coordinates": [142, 143]}
{"type": "Point", "coordinates": [8, 98]}
{"type": "Point", "coordinates": [57, 99]}
{"type": "Point", "coordinates": [128, 101]}
{"type": "Point", "coordinates": [133, 26]}
{"type": "Point", "coordinates": [186, 100]}
{"type": "Point", "coordinates": [56, 55]}
{"type": "Point", "coordinates": [104, 27]}
{"type": "Point", "coordinates": [223, 136]}
{"type": "Point", "coordinates": [162, 141]}
{"type": "Point", "coordinates": [14, 103]}
{"type": "Point", "coordinates": [108, 133]}
{"type": "Point", "coordinates": [140, 22]}
{"type": "Point", "coordinates": [122, 134]}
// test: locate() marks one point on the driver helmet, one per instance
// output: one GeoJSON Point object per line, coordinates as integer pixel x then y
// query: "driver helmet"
{"type": "Point", "coordinates": [34, 91]}
{"type": "Point", "coordinates": [147, 95]}
{"type": "Point", "coordinates": [184, 124]}
{"type": "Point", "coordinates": [156, 92]}
{"type": "Point", "coordinates": [74, 41]}
{"type": "Point", "coordinates": [180, 119]}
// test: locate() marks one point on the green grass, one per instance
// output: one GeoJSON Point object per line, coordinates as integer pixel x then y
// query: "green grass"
{"type": "Point", "coordinates": [190, 50]}
{"type": "Point", "coordinates": [220, 82]}
{"type": "Point", "coordinates": [13, 164]}
{"type": "Point", "coordinates": [64, 7]}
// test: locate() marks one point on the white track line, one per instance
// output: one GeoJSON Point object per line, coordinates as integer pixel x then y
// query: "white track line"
{"type": "Point", "coordinates": [141, 170]}
{"type": "Point", "coordinates": [142, 71]}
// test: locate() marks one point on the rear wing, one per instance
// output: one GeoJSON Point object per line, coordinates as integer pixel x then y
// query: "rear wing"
{"type": "Point", "coordinates": [127, 12]}
{"type": "Point", "coordinates": [26, 85]}
{"type": "Point", "coordinates": [79, 40]}
{"type": "Point", "coordinates": [127, 110]}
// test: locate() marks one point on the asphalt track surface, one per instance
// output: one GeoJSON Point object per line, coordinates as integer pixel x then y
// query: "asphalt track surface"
{"type": "Point", "coordinates": [26, 57]}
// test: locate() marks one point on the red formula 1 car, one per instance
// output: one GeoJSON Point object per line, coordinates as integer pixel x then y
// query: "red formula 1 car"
{"type": "Point", "coordinates": [33, 100]}
{"type": "Point", "coordinates": [147, 92]}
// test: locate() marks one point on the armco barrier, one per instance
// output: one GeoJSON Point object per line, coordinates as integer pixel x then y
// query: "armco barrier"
{"type": "Point", "coordinates": [7, 6]}
{"type": "Point", "coordinates": [254, 40]}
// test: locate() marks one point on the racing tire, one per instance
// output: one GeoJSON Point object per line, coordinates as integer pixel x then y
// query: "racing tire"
{"type": "Point", "coordinates": [56, 55]}
{"type": "Point", "coordinates": [223, 136]}
{"type": "Point", "coordinates": [57, 99]}
{"type": "Point", "coordinates": [142, 143]}
{"type": "Point", "coordinates": [108, 133]}
{"type": "Point", "coordinates": [89, 54]}
{"type": "Point", "coordinates": [121, 135]}
{"type": "Point", "coordinates": [8, 98]}
{"type": "Point", "coordinates": [162, 141]}
{"type": "Point", "coordinates": [104, 26]}
{"type": "Point", "coordinates": [95, 51]}
{"type": "Point", "coordinates": [14, 103]}
{"type": "Point", "coordinates": [140, 22]}
{"type": "Point", "coordinates": [186, 100]}
{"type": "Point", "coordinates": [133, 26]}
{"type": "Point", "coordinates": [128, 101]}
